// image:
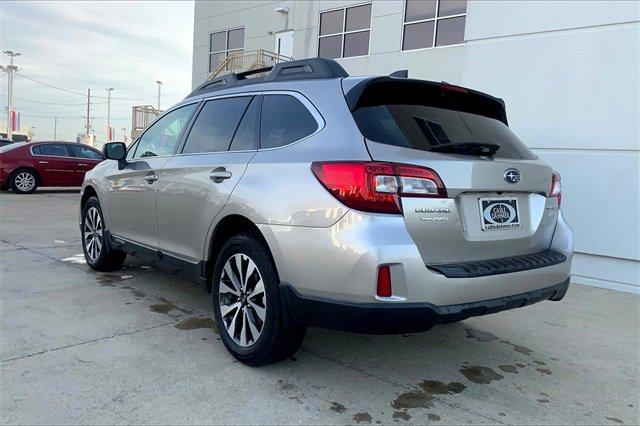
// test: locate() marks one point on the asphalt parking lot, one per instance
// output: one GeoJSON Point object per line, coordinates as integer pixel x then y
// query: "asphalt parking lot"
{"type": "Point", "coordinates": [139, 346]}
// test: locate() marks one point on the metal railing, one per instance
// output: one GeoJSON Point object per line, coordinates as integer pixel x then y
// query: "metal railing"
{"type": "Point", "coordinates": [247, 61]}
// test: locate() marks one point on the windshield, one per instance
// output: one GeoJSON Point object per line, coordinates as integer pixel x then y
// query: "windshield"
{"type": "Point", "coordinates": [425, 128]}
{"type": "Point", "coordinates": [11, 146]}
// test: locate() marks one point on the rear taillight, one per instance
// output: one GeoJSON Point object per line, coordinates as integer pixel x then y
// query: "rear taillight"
{"type": "Point", "coordinates": [375, 186]}
{"type": "Point", "coordinates": [556, 187]}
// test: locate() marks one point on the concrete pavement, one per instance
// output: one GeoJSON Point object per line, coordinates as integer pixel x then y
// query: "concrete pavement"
{"type": "Point", "coordinates": [140, 346]}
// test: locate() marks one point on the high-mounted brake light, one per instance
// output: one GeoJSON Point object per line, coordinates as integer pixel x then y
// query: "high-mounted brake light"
{"type": "Point", "coordinates": [556, 187]}
{"type": "Point", "coordinates": [375, 186]}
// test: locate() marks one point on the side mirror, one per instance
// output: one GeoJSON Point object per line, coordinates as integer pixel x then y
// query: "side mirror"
{"type": "Point", "coordinates": [116, 151]}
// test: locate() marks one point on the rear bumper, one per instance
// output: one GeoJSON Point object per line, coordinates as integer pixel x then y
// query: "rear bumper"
{"type": "Point", "coordinates": [394, 318]}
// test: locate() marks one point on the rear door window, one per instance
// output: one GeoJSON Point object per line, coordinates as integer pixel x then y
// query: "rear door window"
{"type": "Point", "coordinates": [52, 150]}
{"type": "Point", "coordinates": [284, 120]}
{"type": "Point", "coordinates": [246, 137]}
{"type": "Point", "coordinates": [216, 125]}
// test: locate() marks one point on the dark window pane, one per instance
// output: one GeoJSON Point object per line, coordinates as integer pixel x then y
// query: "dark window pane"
{"type": "Point", "coordinates": [284, 120]}
{"type": "Point", "coordinates": [161, 138]}
{"type": "Point", "coordinates": [246, 136]}
{"type": "Point", "coordinates": [450, 31]}
{"type": "Point", "coordinates": [235, 39]}
{"type": "Point", "coordinates": [452, 7]}
{"type": "Point", "coordinates": [216, 123]}
{"type": "Point", "coordinates": [330, 47]}
{"type": "Point", "coordinates": [331, 22]}
{"type": "Point", "coordinates": [218, 41]}
{"type": "Point", "coordinates": [418, 36]}
{"type": "Point", "coordinates": [422, 127]}
{"type": "Point", "coordinates": [54, 150]}
{"type": "Point", "coordinates": [356, 44]}
{"type": "Point", "coordinates": [420, 9]}
{"type": "Point", "coordinates": [358, 18]}
{"type": "Point", "coordinates": [84, 152]}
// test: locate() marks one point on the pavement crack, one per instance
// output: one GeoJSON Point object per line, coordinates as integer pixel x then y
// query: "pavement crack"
{"type": "Point", "coordinates": [86, 342]}
{"type": "Point", "coordinates": [396, 384]}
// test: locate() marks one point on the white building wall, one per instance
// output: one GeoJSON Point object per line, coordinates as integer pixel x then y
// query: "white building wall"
{"type": "Point", "coordinates": [568, 71]}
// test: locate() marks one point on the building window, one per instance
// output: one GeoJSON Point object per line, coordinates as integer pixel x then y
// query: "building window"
{"type": "Point", "coordinates": [344, 32]}
{"type": "Point", "coordinates": [430, 23]}
{"type": "Point", "coordinates": [224, 43]}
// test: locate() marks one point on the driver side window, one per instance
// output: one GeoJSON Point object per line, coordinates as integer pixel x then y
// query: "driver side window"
{"type": "Point", "coordinates": [162, 137]}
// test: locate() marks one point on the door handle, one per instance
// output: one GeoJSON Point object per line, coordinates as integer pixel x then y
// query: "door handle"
{"type": "Point", "coordinates": [219, 174]}
{"type": "Point", "coordinates": [81, 164]}
{"type": "Point", "coordinates": [151, 178]}
{"type": "Point", "coordinates": [43, 162]}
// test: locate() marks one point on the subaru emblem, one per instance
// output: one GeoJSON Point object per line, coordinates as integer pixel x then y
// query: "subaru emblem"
{"type": "Point", "coordinates": [512, 176]}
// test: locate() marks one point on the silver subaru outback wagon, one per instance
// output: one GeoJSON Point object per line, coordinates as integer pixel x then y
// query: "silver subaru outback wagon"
{"type": "Point", "coordinates": [306, 197]}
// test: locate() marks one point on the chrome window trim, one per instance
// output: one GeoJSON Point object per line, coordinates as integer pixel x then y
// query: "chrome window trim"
{"type": "Point", "coordinates": [303, 99]}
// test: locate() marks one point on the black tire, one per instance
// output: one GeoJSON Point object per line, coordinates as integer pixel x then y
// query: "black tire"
{"type": "Point", "coordinates": [108, 259]}
{"type": "Point", "coordinates": [20, 177]}
{"type": "Point", "coordinates": [275, 342]}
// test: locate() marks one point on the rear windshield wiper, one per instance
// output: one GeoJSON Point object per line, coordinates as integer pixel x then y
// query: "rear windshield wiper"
{"type": "Point", "coordinates": [468, 148]}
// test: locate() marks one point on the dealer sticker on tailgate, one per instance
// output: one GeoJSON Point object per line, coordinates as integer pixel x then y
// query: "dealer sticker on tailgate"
{"type": "Point", "coordinates": [499, 213]}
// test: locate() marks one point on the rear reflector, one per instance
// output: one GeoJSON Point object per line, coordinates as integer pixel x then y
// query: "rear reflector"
{"type": "Point", "coordinates": [384, 281]}
{"type": "Point", "coordinates": [376, 187]}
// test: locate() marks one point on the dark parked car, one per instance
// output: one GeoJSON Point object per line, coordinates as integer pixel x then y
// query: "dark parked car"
{"type": "Point", "coordinates": [26, 165]}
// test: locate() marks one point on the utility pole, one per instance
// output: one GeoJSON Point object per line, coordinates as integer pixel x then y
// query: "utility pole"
{"type": "Point", "coordinates": [124, 134]}
{"type": "Point", "coordinates": [159, 85]}
{"type": "Point", "coordinates": [10, 70]}
{"type": "Point", "coordinates": [109, 113]}
{"type": "Point", "coordinates": [88, 104]}
{"type": "Point", "coordinates": [55, 128]}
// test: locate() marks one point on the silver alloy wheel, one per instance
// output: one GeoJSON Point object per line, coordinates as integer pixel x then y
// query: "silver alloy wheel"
{"type": "Point", "coordinates": [243, 301]}
{"type": "Point", "coordinates": [93, 233]}
{"type": "Point", "coordinates": [25, 181]}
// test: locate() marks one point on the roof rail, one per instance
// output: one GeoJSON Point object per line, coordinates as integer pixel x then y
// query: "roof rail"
{"type": "Point", "coordinates": [302, 69]}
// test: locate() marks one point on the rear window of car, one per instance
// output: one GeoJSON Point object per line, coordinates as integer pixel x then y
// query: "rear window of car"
{"type": "Point", "coordinates": [10, 146]}
{"type": "Point", "coordinates": [423, 127]}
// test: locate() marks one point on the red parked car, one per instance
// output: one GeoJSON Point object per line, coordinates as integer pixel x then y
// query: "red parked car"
{"type": "Point", "coordinates": [24, 166]}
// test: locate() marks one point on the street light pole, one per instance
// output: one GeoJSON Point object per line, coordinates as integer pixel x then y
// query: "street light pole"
{"type": "Point", "coordinates": [55, 128]}
{"type": "Point", "coordinates": [159, 85]}
{"type": "Point", "coordinates": [10, 70]}
{"type": "Point", "coordinates": [109, 113]}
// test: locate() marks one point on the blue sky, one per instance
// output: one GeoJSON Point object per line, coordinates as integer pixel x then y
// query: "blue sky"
{"type": "Point", "coordinates": [81, 45]}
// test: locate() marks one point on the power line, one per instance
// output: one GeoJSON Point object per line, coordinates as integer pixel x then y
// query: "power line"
{"type": "Point", "coordinates": [82, 94]}
{"type": "Point", "coordinates": [54, 103]}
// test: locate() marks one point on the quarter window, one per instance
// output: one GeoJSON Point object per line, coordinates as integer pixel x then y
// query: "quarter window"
{"type": "Point", "coordinates": [344, 32]}
{"type": "Point", "coordinates": [284, 120]}
{"type": "Point", "coordinates": [215, 125]}
{"type": "Point", "coordinates": [429, 23]}
{"type": "Point", "coordinates": [163, 135]}
{"type": "Point", "coordinates": [223, 44]}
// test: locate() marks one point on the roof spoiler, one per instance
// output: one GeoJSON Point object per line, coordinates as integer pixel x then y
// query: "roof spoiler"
{"type": "Point", "coordinates": [393, 90]}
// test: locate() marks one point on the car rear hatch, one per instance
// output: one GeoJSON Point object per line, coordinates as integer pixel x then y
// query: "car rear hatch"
{"type": "Point", "coordinates": [496, 203]}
